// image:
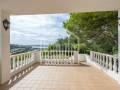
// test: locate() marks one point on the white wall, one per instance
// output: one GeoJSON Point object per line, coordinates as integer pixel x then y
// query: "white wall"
{"type": "Point", "coordinates": [4, 50]}
{"type": "Point", "coordinates": [58, 6]}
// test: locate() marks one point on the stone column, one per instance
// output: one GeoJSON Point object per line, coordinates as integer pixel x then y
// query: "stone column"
{"type": "Point", "coordinates": [4, 49]}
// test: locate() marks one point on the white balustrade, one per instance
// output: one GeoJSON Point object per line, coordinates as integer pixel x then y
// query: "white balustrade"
{"type": "Point", "coordinates": [105, 61]}
{"type": "Point", "coordinates": [23, 60]}
{"type": "Point", "coordinates": [20, 61]}
{"type": "Point", "coordinates": [55, 57]}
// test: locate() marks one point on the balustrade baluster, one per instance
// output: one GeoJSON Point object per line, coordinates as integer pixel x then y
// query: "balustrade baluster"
{"type": "Point", "coordinates": [42, 55]}
{"type": "Point", "coordinates": [48, 54]}
{"type": "Point", "coordinates": [45, 54]}
{"type": "Point", "coordinates": [56, 57]}
{"type": "Point", "coordinates": [28, 58]}
{"type": "Point", "coordinates": [110, 63]}
{"type": "Point", "coordinates": [103, 61]}
{"type": "Point", "coordinates": [62, 54]}
{"type": "Point", "coordinates": [106, 63]}
{"type": "Point", "coordinates": [17, 61]}
{"type": "Point", "coordinates": [100, 59]}
{"type": "Point", "coordinates": [112, 60]}
{"type": "Point", "coordinates": [96, 57]}
{"type": "Point", "coordinates": [25, 58]}
{"type": "Point", "coordinates": [14, 63]}
{"type": "Point", "coordinates": [93, 56]}
{"type": "Point", "coordinates": [11, 63]}
{"type": "Point", "coordinates": [21, 60]}
{"type": "Point", "coordinates": [31, 57]}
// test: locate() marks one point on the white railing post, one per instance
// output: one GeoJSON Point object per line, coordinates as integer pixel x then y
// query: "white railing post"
{"type": "Point", "coordinates": [17, 61]}
{"type": "Point", "coordinates": [76, 57]}
{"type": "Point", "coordinates": [91, 55]}
{"type": "Point", "coordinates": [103, 62]}
{"type": "Point", "coordinates": [100, 59]}
{"type": "Point", "coordinates": [36, 56]}
{"type": "Point", "coordinates": [24, 59]}
{"type": "Point", "coordinates": [107, 64]}
{"type": "Point", "coordinates": [94, 57]}
{"type": "Point", "coordinates": [110, 63]}
{"type": "Point", "coordinates": [21, 56]}
{"type": "Point", "coordinates": [115, 65]}
{"type": "Point", "coordinates": [14, 64]}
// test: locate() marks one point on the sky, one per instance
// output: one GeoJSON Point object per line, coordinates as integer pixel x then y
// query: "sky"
{"type": "Point", "coordinates": [34, 29]}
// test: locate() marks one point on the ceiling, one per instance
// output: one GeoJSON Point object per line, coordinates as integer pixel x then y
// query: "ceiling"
{"type": "Point", "coordinates": [57, 6]}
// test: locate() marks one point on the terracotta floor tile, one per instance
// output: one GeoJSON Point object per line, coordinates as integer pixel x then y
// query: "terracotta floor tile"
{"type": "Point", "coordinates": [66, 78]}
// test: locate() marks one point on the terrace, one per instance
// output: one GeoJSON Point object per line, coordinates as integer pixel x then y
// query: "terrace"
{"type": "Point", "coordinates": [56, 69]}
{"type": "Point", "coordinates": [38, 71]}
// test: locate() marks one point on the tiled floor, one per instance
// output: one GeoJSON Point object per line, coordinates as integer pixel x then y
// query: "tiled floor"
{"type": "Point", "coordinates": [66, 78]}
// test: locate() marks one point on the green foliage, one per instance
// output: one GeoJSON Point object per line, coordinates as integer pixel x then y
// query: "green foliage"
{"type": "Point", "coordinates": [97, 31]}
{"type": "Point", "coordinates": [51, 47]}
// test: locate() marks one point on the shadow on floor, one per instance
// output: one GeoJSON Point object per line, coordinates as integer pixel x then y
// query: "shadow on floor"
{"type": "Point", "coordinates": [14, 80]}
{"type": "Point", "coordinates": [81, 64]}
{"type": "Point", "coordinates": [18, 77]}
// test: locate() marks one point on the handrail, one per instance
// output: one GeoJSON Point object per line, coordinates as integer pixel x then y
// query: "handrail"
{"type": "Point", "coordinates": [21, 53]}
{"type": "Point", "coordinates": [104, 54]}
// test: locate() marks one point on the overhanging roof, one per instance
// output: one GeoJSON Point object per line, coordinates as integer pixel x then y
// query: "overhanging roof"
{"type": "Point", "coordinates": [58, 6]}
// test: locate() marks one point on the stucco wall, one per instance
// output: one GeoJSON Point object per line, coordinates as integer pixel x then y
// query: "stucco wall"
{"type": "Point", "coordinates": [58, 6]}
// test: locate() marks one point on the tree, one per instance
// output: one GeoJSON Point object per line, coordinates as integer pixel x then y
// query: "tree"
{"type": "Point", "coordinates": [97, 30]}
